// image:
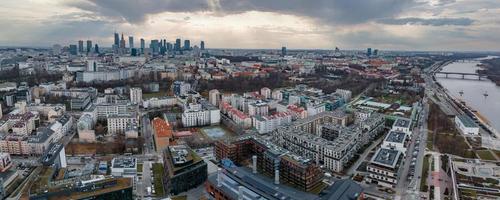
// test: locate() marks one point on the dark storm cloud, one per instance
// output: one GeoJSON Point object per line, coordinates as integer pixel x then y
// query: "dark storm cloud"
{"type": "Point", "coordinates": [135, 11]}
{"type": "Point", "coordinates": [330, 11]}
{"type": "Point", "coordinates": [428, 22]}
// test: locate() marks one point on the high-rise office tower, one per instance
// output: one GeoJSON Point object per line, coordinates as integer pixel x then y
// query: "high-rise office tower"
{"type": "Point", "coordinates": [80, 46]}
{"type": "Point", "coordinates": [117, 39]}
{"type": "Point", "coordinates": [369, 52]}
{"type": "Point", "coordinates": [283, 51]}
{"type": "Point", "coordinates": [96, 48]}
{"type": "Point", "coordinates": [169, 46]}
{"type": "Point", "coordinates": [73, 49]}
{"type": "Point", "coordinates": [133, 52]}
{"type": "Point", "coordinates": [89, 46]}
{"type": "Point", "coordinates": [143, 45]}
{"type": "Point", "coordinates": [375, 52]}
{"type": "Point", "coordinates": [122, 43]}
{"type": "Point", "coordinates": [187, 45]}
{"type": "Point", "coordinates": [155, 46]}
{"type": "Point", "coordinates": [131, 42]}
{"type": "Point", "coordinates": [164, 43]}
{"type": "Point", "coordinates": [177, 46]}
{"type": "Point", "coordinates": [202, 45]}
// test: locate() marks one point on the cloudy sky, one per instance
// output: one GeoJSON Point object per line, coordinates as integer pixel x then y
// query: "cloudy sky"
{"type": "Point", "coordinates": [318, 24]}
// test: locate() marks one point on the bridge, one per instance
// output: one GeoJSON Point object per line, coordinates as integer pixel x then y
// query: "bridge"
{"type": "Point", "coordinates": [467, 75]}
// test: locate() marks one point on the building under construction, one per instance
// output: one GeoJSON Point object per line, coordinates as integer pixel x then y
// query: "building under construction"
{"type": "Point", "coordinates": [272, 161]}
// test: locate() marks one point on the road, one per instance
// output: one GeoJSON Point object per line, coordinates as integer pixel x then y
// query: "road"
{"type": "Point", "coordinates": [146, 131]}
{"type": "Point", "coordinates": [144, 181]}
{"type": "Point", "coordinates": [408, 188]}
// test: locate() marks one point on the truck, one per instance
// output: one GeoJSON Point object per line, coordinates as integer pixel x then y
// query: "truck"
{"type": "Point", "coordinates": [149, 190]}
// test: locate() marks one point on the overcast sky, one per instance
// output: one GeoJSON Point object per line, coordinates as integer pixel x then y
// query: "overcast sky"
{"type": "Point", "coordinates": [317, 24]}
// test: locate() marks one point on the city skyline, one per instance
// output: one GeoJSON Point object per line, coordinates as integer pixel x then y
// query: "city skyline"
{"type": "Point", "coordinates": [405, 25]}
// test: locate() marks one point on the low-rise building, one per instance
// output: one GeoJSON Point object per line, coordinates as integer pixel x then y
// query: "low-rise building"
{"type": "Point", "coordinates": [184, 169]}
{"type": "Point", "coordinates": [383, 167]}
{"type": "Point", "coordinates": [124, 167]}
{"type": "Point", "coordinates": [5, 162]}
{"type": "Point", "coordinates": [395, 140]}
{"type": "Point", "coordinates": [402, 125]}
{"type": "Point", "coordinates": [201, 114]}
{"type": "Point", "coordinates": [163, 133]}
{"type": "Point", "coordinates": [466, 125]}
{"type": "Point", "coordinates": [266, 124]}
{"type": "Point", "coordinates": [40, 142]}
{"type": "Point", "coordinates": [119, 123]}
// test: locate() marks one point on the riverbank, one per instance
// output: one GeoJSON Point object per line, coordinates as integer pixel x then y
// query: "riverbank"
{"type": "Point", "coordinates": [472, 93]}
{"type": "Point", "coordinates": [491, 67]}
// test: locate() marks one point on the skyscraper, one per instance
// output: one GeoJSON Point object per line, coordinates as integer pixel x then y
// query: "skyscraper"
{"type": "Point", "coordinates": [177, 46]}
{"type": "Point", "coordinates": [187, 45]}
{"type": "Point", "coordinates": [89, 46]}
{"type": "Point", "coordinates": [80, 46]}
{"type": "Point", "coordinates": [169, 46]}
{"type": "Point", "coordinates": [202, 45]}
{"type": "Point", "coordinates": [122, 43]}
{"type": "Point", "coordinates": [117, 40]}
{"type": "Point", "coordinates": [283, 51]}
{"type": "Point", "coordinates": [369, 52]}
{"type": "Point", "coordinates": [73, 49]}
{"type": "Point", "coordinates": [96, 49]}
{"type": "Point", "coordinates": [375, 52]}
{"type": "Point", "coordinates": [131, 42]}
{"type": "Point", "coordinates": [143, 45]}
{"type": "Point", "coordinates": [155, 46]}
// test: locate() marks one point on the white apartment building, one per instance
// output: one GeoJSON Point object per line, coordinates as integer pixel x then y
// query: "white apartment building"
{"type": "Point", "coordinates": [105, 110]}
{"type": "Point", "coordinates": [402, 125]}
{"type": "Point", "coordinates": [314, 108]}
{"type": "Point", "coordinates": [276, 94]}
{"type": "Point", "coordinates": [383, 167]}
{"type": "Point", "coordinates": [200, 115]}
{"type": "Point", "coordinates": [136, 95]}
{"type": "Point", "coordinates": [258, 108]}
{"type": "Point", "coordinates": [118, 123]}
{"type": "Point", "coordinates": [395, 140]}
{"type": "Point", "coordinates": [345, 94]}
{"type": "Point", "coordinates": [266, 124]}
{"type": "Point", "coordinates": [466, 125]}
{"type": "Point", "coordinates": [213, 97]}
{"type": "Point", "coordinates": [159, 102]}
{"type": "Point", "coordinates": [266, 92]}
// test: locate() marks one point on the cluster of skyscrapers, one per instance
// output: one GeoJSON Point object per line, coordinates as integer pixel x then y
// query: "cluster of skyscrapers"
{"type": "Point", "coordinates": [156, 46]}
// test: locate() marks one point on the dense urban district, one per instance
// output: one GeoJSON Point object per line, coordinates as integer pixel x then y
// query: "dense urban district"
{"type": "Point", "coordinates": [174, 121]}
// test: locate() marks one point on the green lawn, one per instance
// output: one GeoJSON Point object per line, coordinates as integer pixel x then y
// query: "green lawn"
{"type": "Point", "coordinates": [485, 155]}
{"type": "Point", "coordinates": [425, 173]}
{"type": "Point", "coordinates": [158, 176]}
{"type": "Point", "coordinates": [139, 167]}
{"type": "Point", "coordinates": [429, 142]}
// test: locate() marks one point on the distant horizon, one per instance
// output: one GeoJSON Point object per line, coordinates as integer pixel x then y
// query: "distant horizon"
{"type": "Point", "coordinates": [289, 49]}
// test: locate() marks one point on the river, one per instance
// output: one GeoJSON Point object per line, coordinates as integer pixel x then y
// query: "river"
{"type": "Point", "coordinates": [473, 90]}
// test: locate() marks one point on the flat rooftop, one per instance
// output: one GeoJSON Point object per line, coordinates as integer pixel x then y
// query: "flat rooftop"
{"type": "Point", "coordinates": [124, 162]}
{"type": "Point", "coordinates": [386, 157]}
{"type": "Point", "coordinates": [396, 137]}
{"type": "Point", "coordinates": [405, 123]}
{"type": "Point", "coordinates": [467, 121]}
{"type": "Point", "coordinates": [180, 154]}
